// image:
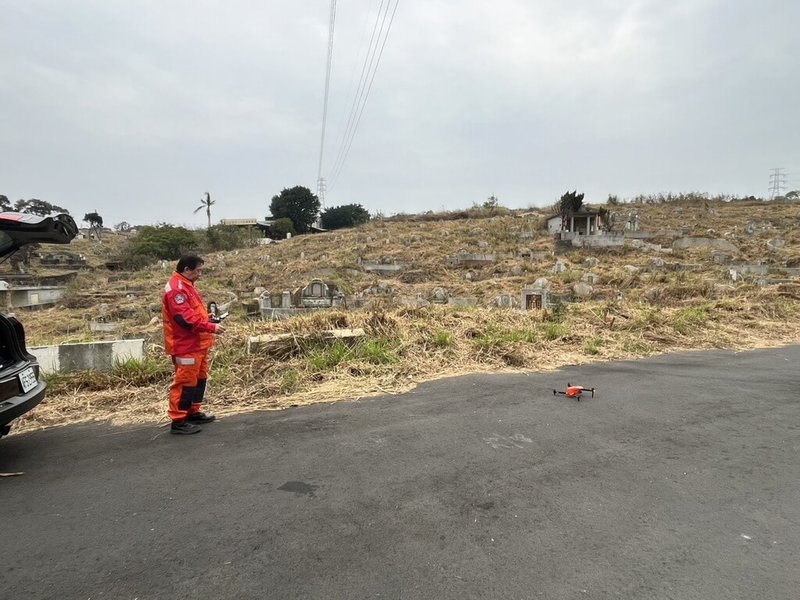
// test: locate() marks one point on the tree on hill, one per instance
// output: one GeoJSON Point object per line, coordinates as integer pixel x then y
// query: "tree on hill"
{"type": "Point", "coordinates": [570, 203]}
{"type": "Point", "coordinates": [280, 227]}
{"type": "Point", "coordinates": [297, 204]}
{"type": "Point", "coordinates": [34, 206]}
{"type": "Point", "coordinates": [348, 215]}
{"type": "Point", "coordinates": [5, 204]}
{"type": "Point", "coordinates": [491, 204]}
{"type": "Point", "coordinates": [95, 223]}
{"type": "Point", "coordinates": [206, 203]}
{"type": "Point", "coordinates": [163, 241]}
{"type": "Point", "coordinates": [226, 237]}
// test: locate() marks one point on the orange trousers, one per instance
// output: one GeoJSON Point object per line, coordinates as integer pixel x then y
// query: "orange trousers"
{"type": "Point", "coordinates": [188, 385]}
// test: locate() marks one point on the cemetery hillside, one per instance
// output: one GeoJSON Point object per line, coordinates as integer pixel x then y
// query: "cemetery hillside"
{"type": "Point", "coordinates": [382, 307]}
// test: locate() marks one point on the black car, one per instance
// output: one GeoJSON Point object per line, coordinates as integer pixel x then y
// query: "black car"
{"type": "Point", "coordinates": [20, 386]}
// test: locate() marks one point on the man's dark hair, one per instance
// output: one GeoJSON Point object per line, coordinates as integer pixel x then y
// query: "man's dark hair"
{"type": "Point", "coordinates": [189, 261]}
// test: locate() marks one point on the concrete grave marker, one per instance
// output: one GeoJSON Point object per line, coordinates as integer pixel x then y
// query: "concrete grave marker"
{"type": "Point", "coordinates": [591, 262]}
{"type": "Point", "coordinates": [536, 296]}
{"type": "Point", "coordinates": [506, 301]}
{"type": "Point", "coordinates": [775, 245]}
{"type": "Point", "coordinates": [439, 295]}
{"type": "Point", "coordinates": [582, 290]}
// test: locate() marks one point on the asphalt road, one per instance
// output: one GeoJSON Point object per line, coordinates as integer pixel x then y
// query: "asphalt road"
{"type": "Point", "coordinates": [680, 479]}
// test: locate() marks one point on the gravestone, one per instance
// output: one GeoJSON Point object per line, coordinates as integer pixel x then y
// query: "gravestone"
{"type": "Point", "coordinates": [506, 301]}
{"type": "Point", "coordinates": [721, 258]}
{"type": "Point", "coordinates": [591, 262]}
{"type": "Point", "coordinates": [439, 295]}
{"type": "Point", "coordinates": [536, 296]}
{"type": "Point", "coordinates": [775, 245]}
{"type": "Point", "coordinates": [461, 301]}
{"type": "Point", "coordinates": [582, 290]}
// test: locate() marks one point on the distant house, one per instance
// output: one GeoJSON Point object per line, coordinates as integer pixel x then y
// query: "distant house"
{"type": "Point", "coordinates": [263, 226]}
{"type": "Point", "coordinates": [584, 222]}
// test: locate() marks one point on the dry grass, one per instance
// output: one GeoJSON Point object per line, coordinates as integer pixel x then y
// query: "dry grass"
{"type": "Point", "coordinates": [647, 312]}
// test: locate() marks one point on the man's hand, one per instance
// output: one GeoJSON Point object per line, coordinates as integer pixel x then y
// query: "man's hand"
{"type": "Point", "coordinates": [220, 329]}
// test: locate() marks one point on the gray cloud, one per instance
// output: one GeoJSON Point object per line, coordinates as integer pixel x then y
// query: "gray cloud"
{"type": "Point", "coordinates": [135, 109]}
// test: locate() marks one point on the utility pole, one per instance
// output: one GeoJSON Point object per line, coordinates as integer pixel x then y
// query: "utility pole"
{"type": "Point", "coordinates": [321, 186]}
{"type": "Point", "coordinates": [777, 183]}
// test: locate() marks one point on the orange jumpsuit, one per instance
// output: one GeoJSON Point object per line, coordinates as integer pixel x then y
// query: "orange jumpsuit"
{"type": "Point", "coordinates": [188, 336]}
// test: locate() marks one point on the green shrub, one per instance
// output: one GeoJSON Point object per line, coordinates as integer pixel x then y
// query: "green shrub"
{"type": "Point", "coordinates": [688, 320]}
{"type": "Point", "coordinates": [324, 357]}
{"type": "Point", "coordinates": [280, 227]}
{"type": "Point", "coordinates": [592, 346]}
{"type": "Point", "coordinates": [378, 352]}
{"type": "Point", "coordinates": [290, 381]}
{"type": "Point", "coordinates": [162, 241]}
{"type": "Point", "coordinates": [442, 339]}
{"type": "Point", "coordinates": [555, 331]}
{"type": "Point", "coordinates": [570, 276]}
{"type": "Point", "coordinates": [339, 217]}
{"type": "Point", "coordinates": [226, 237]}
{"type": "Point", "coordinates": [128, 373]}
{"type": "Point", "coordinates": [492, 337]}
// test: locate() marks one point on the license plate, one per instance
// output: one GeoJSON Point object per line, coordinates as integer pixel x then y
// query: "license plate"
{"type": "Point", "coordinates": [27, 380]}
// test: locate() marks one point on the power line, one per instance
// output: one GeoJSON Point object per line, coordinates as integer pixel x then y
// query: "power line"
{"type": "Point", "coordinates": [370, 69]}
{"type": "Point", "coordinates": [320, 180]}
{"type": "Point", "coordinates": [357, 95]}
{"type": "Point", "coordinates": [361, 112]}
{"type": "Point", "coordinates": [362, 39]}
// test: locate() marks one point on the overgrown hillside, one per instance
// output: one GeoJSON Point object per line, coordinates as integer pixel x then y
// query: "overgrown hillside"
{"type": "Point", "coordinates": [645, 298]}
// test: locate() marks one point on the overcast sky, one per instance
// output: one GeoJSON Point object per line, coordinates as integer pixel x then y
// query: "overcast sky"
{"type": "Point", "coordinates": [137, 108]}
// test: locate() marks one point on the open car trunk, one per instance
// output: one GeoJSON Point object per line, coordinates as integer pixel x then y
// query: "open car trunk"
{"type": "Point", "coordinates": [19, 229]}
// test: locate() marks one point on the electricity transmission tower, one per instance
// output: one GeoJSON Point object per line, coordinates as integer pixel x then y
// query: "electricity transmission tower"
{"type": "Point", "coordinates": [322, 187]}
{"type": "Point", "coordinates": [777, 183]}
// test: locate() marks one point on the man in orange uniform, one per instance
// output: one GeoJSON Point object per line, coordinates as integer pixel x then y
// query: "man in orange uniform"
{"type": "Point", "coordinates": [188, 336]}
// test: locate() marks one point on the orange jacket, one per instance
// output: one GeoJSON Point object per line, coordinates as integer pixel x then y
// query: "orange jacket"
{"type": "Point", "coordinates": [186, 325]}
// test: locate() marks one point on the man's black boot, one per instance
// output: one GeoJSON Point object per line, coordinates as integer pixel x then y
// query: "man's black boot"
{"type": "Point", "coordinates": [184, 428]}
{"type": "Point", "coordinates": [200, 417]}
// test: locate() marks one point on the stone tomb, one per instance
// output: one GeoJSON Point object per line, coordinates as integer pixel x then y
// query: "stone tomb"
{"type": "Point", "coordinates": [317, 294]}
{"type": "Point", "coordinates": [536, 296]}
